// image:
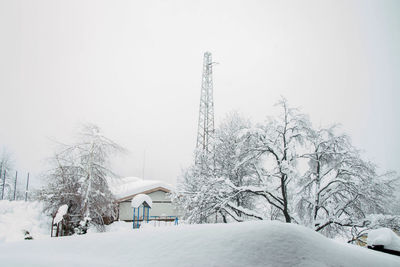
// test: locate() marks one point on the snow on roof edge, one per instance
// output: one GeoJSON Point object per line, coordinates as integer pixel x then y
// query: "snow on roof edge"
{"type": "Point", "coordinates": [128, 186]}
{"type": "Point", "coordinates": [139, 199]}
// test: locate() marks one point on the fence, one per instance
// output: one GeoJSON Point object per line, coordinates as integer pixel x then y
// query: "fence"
{"type": "Point", "coordinates": [164, 220]}
{"type": "Point", "coordinates": [12, 194]}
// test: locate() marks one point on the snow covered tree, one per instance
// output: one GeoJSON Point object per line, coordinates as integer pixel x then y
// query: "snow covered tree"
{"type": "Point", "coordinates": [286, 169]}
{"type": "Point", "coordinates": [78, 179]}
{"type": "Point", "coordinates": [272, 150]}
{"type": "Point", "coordinates": [202, 191]}
{"type": "Point", "coordinates": [255, 168]}
{"type": "Point", "coordinates": [196, 195]}
{"type": "Point", "coordinates": [339, 188]}
{"type": "Point", "coordinates": [227, 154]}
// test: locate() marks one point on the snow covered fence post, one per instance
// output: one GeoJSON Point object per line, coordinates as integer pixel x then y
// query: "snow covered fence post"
{"type": "Point", "coordinates": [26, 190]}
{"type": "Point", "coordinates": [15, 184]}
{"type": "Point", "coordinates": [4, 184]}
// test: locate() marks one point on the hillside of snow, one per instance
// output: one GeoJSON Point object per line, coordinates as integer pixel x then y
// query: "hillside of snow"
{"type": "Point", "coordinates": [18, 216]}
{"type": "Point", "coordinates": [237, 244]}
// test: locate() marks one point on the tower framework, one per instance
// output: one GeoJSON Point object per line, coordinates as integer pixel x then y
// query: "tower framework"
{"type": "Point", "coordinates": [205, 132]}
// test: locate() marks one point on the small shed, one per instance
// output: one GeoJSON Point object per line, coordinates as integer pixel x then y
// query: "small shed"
{"type": "Point", "coordinates": [125, 189]}
{"type": "Point", "coordinates": [141, 202]}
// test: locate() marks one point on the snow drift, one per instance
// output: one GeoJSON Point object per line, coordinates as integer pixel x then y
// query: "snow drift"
{"type": "Point", "coordinates": [385, 237]}
{"type": "Point", "coordinates": [19, 216]}
{"type": "Point", "coordinates": [238, 244]}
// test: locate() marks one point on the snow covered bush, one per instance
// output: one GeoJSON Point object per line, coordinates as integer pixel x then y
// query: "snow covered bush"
{"type": "Point", "coordinates": [284, 169]}
{"type": "Point", "coordinates": [78, 179]}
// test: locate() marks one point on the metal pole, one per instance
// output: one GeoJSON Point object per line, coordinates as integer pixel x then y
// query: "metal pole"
{"type": "Point", "coordinates": [138, 216]}
{"type": "Point", "coordinates": [15, 185]}
{"type": "Point", "coordinates": [26, 191]}
{"type": "Point", "coordinates": [134, 218]}
{"type": "Point", "coordinates": [4, 184]}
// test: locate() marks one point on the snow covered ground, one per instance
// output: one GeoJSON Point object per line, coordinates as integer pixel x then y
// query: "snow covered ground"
{"type": "Point", "coordinates": [17, 216]}
{"type": "Point", "coordinates": [238, 244]}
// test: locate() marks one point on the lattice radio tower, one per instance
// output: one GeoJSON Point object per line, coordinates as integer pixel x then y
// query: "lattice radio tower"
{"type": "Point", "coordinates": [205, 132]}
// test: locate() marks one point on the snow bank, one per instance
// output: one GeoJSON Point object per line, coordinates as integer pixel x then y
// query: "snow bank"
{"type": "Point", "coordinates": [119, 226]}
{"type": "Point", "coordinates": [385, 237]}
{"type": "Point", "coordinates": [19, 216]}
{"type": "Point", "coordinates": [139, 199]}
{"type": "Point", "coordinates": [237, 244]}
{"type": "Point", "coordinates": [123, 187]}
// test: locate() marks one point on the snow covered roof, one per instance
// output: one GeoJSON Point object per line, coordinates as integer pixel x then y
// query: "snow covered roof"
{"type": "Point", "coordinates": [128, 186]}
{"type": "Point", "coordinates": [139, 199]}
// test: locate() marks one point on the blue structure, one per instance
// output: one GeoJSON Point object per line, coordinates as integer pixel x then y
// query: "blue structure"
{"type": "Point", "coordinates": [138, 218]}
{"type": "Point", "coordinates": [141, 202]}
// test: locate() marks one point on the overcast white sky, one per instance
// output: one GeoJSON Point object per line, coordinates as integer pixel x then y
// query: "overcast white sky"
{"type": "Point", "coordinates": [134, 68]}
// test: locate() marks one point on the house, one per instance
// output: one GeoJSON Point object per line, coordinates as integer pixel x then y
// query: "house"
{"type": "Point", "coordinates": [125, 189]}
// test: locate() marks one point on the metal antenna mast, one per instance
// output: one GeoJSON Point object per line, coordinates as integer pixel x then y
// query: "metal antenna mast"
{"type": "Point", "coordinates": [206, 113]}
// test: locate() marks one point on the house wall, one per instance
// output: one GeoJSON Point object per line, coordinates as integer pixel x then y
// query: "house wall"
{"type": "Point", "coordinates": [162, 206]}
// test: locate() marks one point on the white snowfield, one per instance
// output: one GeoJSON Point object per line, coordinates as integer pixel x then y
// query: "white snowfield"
{"type": "Point", "coordinates": [16, 217]}
{"type": "Point", "coordinates": [123, 187]}
{"type": "Point", "coordinates": [237, 244]}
